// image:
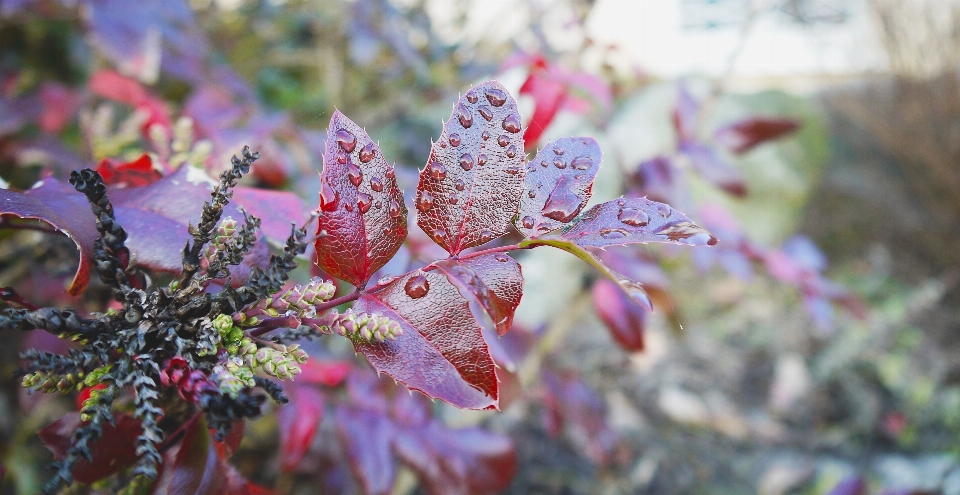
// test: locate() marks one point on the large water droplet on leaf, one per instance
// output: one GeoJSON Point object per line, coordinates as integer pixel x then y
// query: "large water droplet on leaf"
{"type": "Point", "coordinates": [688, 233]}
{"type": "Point", "coordinates": [459, 185]}
{"type": "Point", "coordinates": [376, 184]}
{"type": "Point", "coordinates": [486, 236]}
{"type": "Point", "coordinates": [328, 197]}
{"type": "Point", "coordinates": [485, 113]}
{"type": "Point", "coordinates": [466, 161]}
{"type": "Point", "coordinates": [341, 158]}
{"type": "Point", "coordinates": [454, 140]}
{"type": "Point", "coordinates": [513, 170]}
{"type": "Point", "coordinates": [394, 209]}
{"type": "Point", "coordinates": [368, 152]}
{"type": "Point", "coordinates": [496, 97]}
{"type": "Point", "coordinates": [346, 140]}
{"type": "Point", "coordinates": [436, 170]}
{"type": "Point", "coordinates": [664, 210]}
{"type": "Point", "coordinates": [582, 163]}
{"type": "Point", "coordinates": [559, 163]}
{"type": "Point", "coordinates": [613, 233]}
{"type": "Point", "coordinates": [511, 151]}
{"type": "Point", "coordinates": [503, 140]}
{"type": "Point", "coordinates": [425, 201]}
{"type": "Point", "coordinates": [633, 217]}
{"type": "Point", "coordinates": [440, 234]}
{"type": "Point", "coordinates": [528, 222]}
{"type": "Point", "coordinates": [481, 159]}
{"type": "Point", "coordinates": [562, 205]}
{"type": "Point", "coordinates": [363, 202]}
{"type": "Point", "coordinates": [511, 123]}
{"type": "Point", "coordinates": [485, 135]}
{"type": "Point", "coordinates": [558, 151]}
{"type": "Point", "coordinates": [637, 293]}
{"type": "Point", "coordinates": [502, 258]}
{"type": "Point", "coordinates": [417, 286]}
{"type": "Point", "coordinates": [464, 116]}
{"type": "Point", "coordinates": [354, 174]}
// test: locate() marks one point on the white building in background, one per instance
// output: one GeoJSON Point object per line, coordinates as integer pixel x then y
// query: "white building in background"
{"type": "Point", "coordinates": [795, 44]}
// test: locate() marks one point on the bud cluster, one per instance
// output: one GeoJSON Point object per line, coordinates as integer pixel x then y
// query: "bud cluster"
{"type": "Point", "coordinates": [280, 361]}
{"type": "Point", "coordinates": [366, 327]}
{"type": "Point", "coordinates": [233, 376]}
{"type": "Point", "coordinates": [45, 381]}
{"type": "Point", "coordinates": [301, 299]}
{"type": "Point", "coordinates": [222, 238]}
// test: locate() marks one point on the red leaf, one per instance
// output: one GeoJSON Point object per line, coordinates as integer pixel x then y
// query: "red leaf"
{"type": "Point", "coordinates": [468, 461]}
{"type": "Point", "coordinates": [327, 373]}
{"type": "Point", "coordinates": [298, 424]}
{"type": "Point", "coordinates": [558, 184]}
{"type": "Point", "coordinates": [139, 172]}
{"type": "Point", "coordinates": [366, 436]}
{"type": "Point", "coordinates": [493, 281]}
{"type": "Point", "coordinates": [197, 469]}
{"type": "Point", "coordinates": [628, 221]}
{"type": "Point", "coordinates": [231, 443]}
{"type": "Point", "coordinates": [113, 86]}
{"type": "Point", "coordinates": [624, 318]}
{"type": "Point", "coordinates": [66, 210]}
{"type": "Point", "coordinates": [441, 351]}
{"type": "Point", "coordinates": [364, 220]}
{"type": "Point", "coordinates": [548, 95]}
{"type": "Point", "coordinates": [740, 137]}
{"type": "Point", "coordinates": [114, 451]}
{"type": "Point", "coordinates": [470, 189]}
{"type": "Point", "coordinates": [712, 167]}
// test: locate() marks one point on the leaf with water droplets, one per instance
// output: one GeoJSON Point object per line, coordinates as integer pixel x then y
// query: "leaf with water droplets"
{"type": "Point", "coordinates": [441, 351]}
{"type": "Point", "coordinates": [360, 201]}
{"type": "Point", "coordinates": [470, 189]}
{"type": "Point", "coordinates": [492, 281]}
{"type": "Point", "coordinates": [630, 221]}
{"type": "Point", "coordinates": [558, 184]}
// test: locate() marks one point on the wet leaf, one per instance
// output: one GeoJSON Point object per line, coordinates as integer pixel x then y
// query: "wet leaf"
{"type": "Point", "coordinates": [624, 318]}
{"type": "Point", "coordinates": [364, 219]}
{"type": "Point", "coordinates": [113, 452]}
{"type": "Point", "coordinates": [298, 422]}
{"type": "Point", "coordinates": [492, 281]}
{"type": "Point", "coordinates": [64, 209]}
{"type": "Point", "coordinates": [742, 136]}
{"type": "Point", "coordinates": [714, 168]}
{"type": "Point", "coordinates": [441, 352]}
{"type": "Point", "coordinates": [557, 184]}
{"type": "Point", "coordinates": [469, 190]}
{"type": "Point", "coordinates": [367, 436]}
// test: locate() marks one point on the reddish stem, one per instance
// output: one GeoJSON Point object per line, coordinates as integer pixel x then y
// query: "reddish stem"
{"type": "Point", "coordinates": [272, 323]}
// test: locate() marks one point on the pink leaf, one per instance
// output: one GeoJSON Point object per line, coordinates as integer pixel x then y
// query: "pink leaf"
{"type": "Point", "coordinates": [322, 372]}
{"type": "Point", "coordinates": [470, 189]}
{"type": "Point", "coordinates": [548, 96]}
{"type": "Point", "coordinates": [139, 172]}
{"type": "Point", "coordinates": [60, 105]}
{"type": "Point", "coordinates": [366, 436]}
{"type": "Point", "coordinates": [363, 220]}
{"type": "Point", "coordinates": [298, 424]}
{"type": "Point", "coordinates": [740, 137]}
{"type": "Point", "coordinates": [557, 185]}
{"type": "Point", "coordinates": [493, 281]}
{"type": "Point", "coordinates": [113, 452]}
{"type": "Point", "coordinates": [624, 318]}
{"type": "Point", "coordinates": [113, 86]}
{"type": "Point", "coordinates": [441, 352]}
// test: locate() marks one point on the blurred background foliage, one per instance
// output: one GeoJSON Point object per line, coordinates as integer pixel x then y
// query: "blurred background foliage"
{"type": "Point", "coordinates": [738, 390]}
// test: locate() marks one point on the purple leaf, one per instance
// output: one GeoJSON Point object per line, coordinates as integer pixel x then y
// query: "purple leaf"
{"type": "Point", "coordinates": [712, 167]}
{"type": "Point", "coordinates": [660, 180]}
{"type": "Point", "coordinates": [742, 136]}
{"type": "Point", "coordinates": [686, 114]}
{"type": "Point", "coordinates": [364, 220]}
{"type": "Point", "coordinates": [470, 189]}
{"type": "Point", "coordinates": [557, 185]}
{"type": "Point", "coordinates": [366, 437]}
{"type": "Point", "coordinates": [277, 210]}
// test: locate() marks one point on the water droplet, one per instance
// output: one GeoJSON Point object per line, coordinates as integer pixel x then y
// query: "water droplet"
{"type": "Point", "coordinates": [394, 209]}
{"type": "Point", "coordinates": [511, 123]}
{"type": "Point", "coordinates": [459, 185]}
{"type": "Point", "coordinates": [454, 140]}
{"type": "Point", "coordinates": [436, 170]}
{"type": "Point", "coordinates": [633, 217]}
{"type": "Point", "coordinates": [363, 202]}
{"type": "Point", "coordinates": [466, 161]}
{"type": "Point", "coordinates": [386, 230]}
{"type": "Point", "coordinates": [453, 200]}
{"type": "Point", "coordinates": [341, 158]}
{"type": "Point", "coordinates": [391, 173]}
{"type": "Point", "coordinates": [503, 140]}
{"type": "Point", "coordinates": [621, 202]}
{"type": "Point", "coordinates": [582, 163]}
{"type": "Point", "coordinates": [560, 164]}
{"type": "Point", "coordinates": [376, 184]}
{"type": "Point", "coordinates": [513, 170]}
{"type": "Point", "coordinates": [687, 233]}
{"type": "Point", "coordinates": [613, 233]}
{"type": "Point", "coordinates": [472, 97]}
{"type": "Point", "coordinates": [544, 164]}
{"type": "Point", "coordinates": [485, 136]}
{"type": "Point", "coordinates": [496, 97]}
{"type": "Point", "coordinates": [637, 293]}
{"type": "Point", "coordinates": [443, 145]}
{"type": "Point", "coordinates": [558, 151]}
{"type": "Point", "coordinates": [502, 258]}
{"type": "Point", "coordinates": [543, 228]}
{"type": "Point", "coordinates": [532, 194]}
{"type": "Point", "coordinates": [664, 210]}
{"type": "Point", "coordinates": [485, 112]}
{"type": "Point", "coordinates": [417, 286]}
{"type": "Point", "coordinates": [528, 221]}
{"type": "Point", "coordinates": [511, 151]}
{"type": "Point", "coordinates": [531, 167]}
{"type": "Point", "coordinates": [562, 205]}
{"type": "Point", "coordinates": [425, 201]}
{"type": "Point", "coordinates": [386, 279]}
{"type": "Point", "coordinates": [354, 174]}
{"type": "Point", "coordinates": [368, 152]}
{"type": "Point", "coordinates": [482, 159]}
{"type": "Point", "coordinates": [323, 233]}
{"type": "Point", "coordinates": [328, 197]}
{"type": "Point", "coordinates": [346, 140]}
{"type": "Point", "coordinates": [486, 236]}
{"type": "Point", "coordinates": [377, 204]}
{"type": "Point", "coordinates": [348, 207]}
{"type": "Point", "coordinates": [439, 234]}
